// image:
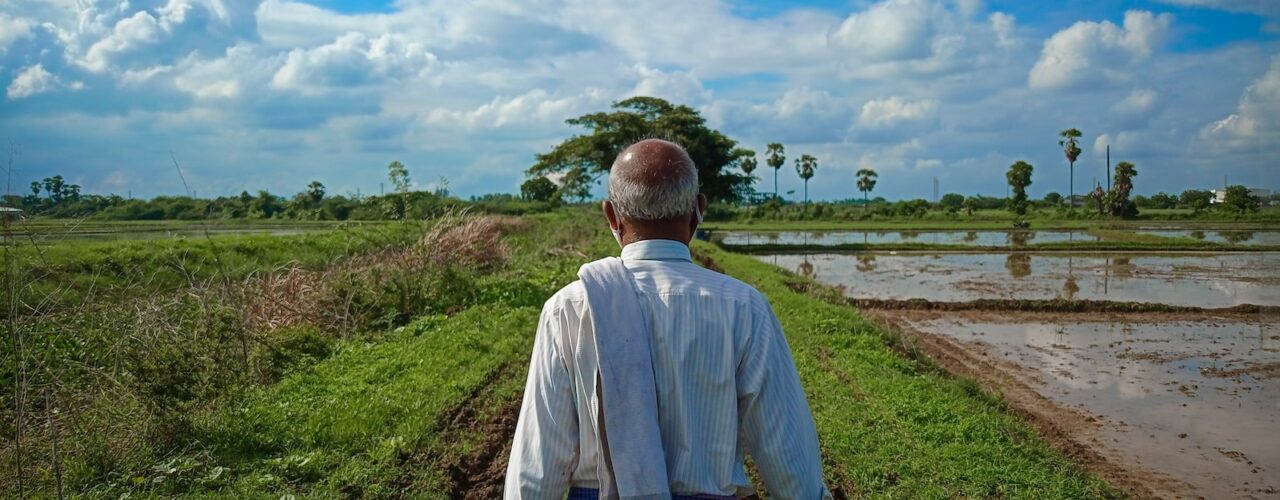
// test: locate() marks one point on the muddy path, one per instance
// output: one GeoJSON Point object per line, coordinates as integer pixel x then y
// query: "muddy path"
{"type": "Point", "coordinates": [1073, 432]}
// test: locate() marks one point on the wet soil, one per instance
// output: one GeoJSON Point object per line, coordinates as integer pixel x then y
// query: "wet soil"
{"type": "Point", "coordinates": [1075, 433]}
{"type": "Point", "coordinates": [1192, 395]}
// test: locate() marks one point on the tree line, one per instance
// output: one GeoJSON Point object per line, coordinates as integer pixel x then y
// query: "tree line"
{"type": "Point", "coordinates": [569, 171]}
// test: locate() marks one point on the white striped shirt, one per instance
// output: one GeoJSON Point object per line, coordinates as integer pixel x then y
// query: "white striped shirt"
{"type": "Point", "coordinates": [725, 379]}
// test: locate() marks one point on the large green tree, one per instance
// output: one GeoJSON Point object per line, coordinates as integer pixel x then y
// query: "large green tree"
{"type": "Point", "coordinates": [538, 189]}
{"type": "Point", "coordinates": [585, 157]}
{"type": "Point", "coordinates": [1071, 149]}
{"type": "Point", "coordinates": [777, 158]}
{"type": "Point", "coordinates": [866, 182]}
{"type": "Point", "coordinates": [1196, 199]}
{"type": "Point", "coordinates": [1019, 177]}
{"type": "Point", "coordinates": [806, 166]}
{"type": "Point", "coordinates": [1240, 200]}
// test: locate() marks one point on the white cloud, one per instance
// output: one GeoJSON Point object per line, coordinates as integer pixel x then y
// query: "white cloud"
{"type": "Point", "coordinates": [895, 109]}
{"type": "Point", "coordinates": [890, 30]}
{"type": "Point", "coordinates": [12, 29]}
{"type": "Point", "coordinates": [1256, 121]}
{"type": "Point", "coordinates": [929, 163]}
{"type": "Point", "coordinates": [134, 31]}
{"type": "Point", "coordinates": [1092, 53]}
{"type": "Point", "coordinates": [536, 106]}
{"type": "Point", "coordinates": [354, 59]}
{"type": "Point", "coordinates": [1003, 25]}
{"type": "Point", "coordinates": [675, 86]}
{"type": "Point", "coordinates": [33, 80]}
{"type": "Point", "coordinates": [1138, 101]}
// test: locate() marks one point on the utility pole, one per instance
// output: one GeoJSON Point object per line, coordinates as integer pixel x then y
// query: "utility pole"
{"type": "Point", "coordinates": [1108, 167]}
{"type": "Point", "coordinates": [380, 191]}
{"type": "Point", "coordinates": [935, 190]}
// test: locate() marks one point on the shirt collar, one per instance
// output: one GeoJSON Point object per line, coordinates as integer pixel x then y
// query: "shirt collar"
{"type": "Point", "coordinates": [666, 250]}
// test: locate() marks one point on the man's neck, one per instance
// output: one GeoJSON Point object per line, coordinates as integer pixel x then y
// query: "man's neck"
{"type": "Point", "coordinates": [641, 232]}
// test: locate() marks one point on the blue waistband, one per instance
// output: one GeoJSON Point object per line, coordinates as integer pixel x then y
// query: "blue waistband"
{"type": "Point", "coordinates": [576, 493]}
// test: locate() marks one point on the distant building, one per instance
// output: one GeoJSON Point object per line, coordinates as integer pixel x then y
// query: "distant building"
{"type": "Point", "coordinates": [1220, 195]}
{"type": "Point", "coordinates": [10, 213]}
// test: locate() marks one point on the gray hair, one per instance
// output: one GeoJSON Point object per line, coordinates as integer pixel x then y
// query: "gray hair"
{"type": "Point", "coordinates": [638, 197]}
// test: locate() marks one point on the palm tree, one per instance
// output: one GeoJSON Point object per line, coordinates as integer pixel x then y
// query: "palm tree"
{"type": "Point", "coordinates": [806, 165]}
{"type": "Point", "coordinates": [1071, 148]}
{"type": "Point", "coordinates": [1121, 188]}
{"type": "Point", "coordinates": [866, 182]}
{"type": "Point", "coordinates": [315, 191]}
{"type": "Point", "coordinates": [776, 160]}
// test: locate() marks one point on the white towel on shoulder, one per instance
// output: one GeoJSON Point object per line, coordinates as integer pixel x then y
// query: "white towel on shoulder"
{"type": "Point", "coordinates": [631, 442]}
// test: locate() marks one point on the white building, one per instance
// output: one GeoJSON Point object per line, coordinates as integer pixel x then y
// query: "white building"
{"type": "Point", "coordinates": [1220, 195]}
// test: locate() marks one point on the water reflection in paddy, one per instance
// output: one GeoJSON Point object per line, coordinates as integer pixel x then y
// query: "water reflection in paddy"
{"type": "Point", "coordinates": [1196, 398]}
{"type": "Point", "coordinates": [1201, 280]}
{"type": "Point", "coordinates": [1236, 237]}
{"type": "Point", "coordinates": [971, 238]}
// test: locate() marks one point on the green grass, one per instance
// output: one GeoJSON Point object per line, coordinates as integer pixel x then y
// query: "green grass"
{"type": "Point", "coordinates": [349, 425]}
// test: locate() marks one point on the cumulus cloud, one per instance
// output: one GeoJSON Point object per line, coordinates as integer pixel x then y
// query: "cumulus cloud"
{"type": "Point", "coordinates": [1257, 117]}
{"type": "Point", "coordinates": [890, 30]}
{"type": "Point", "coordinates": [906, 38]}
{"type": "Point", "coordinates": [895, 109]}
{"type": "Point", "coordinates": [676, 86]}
{"type": "Point", "coordinates": [535, 106]}
{"type": "Point", "coordinates": [33, 80]}
{"type": "Point", "coordinates": [354, 59]}
{"type": "Point", "coordinates": [12, 29]}
{"type": "Point", "coordinates": [1091, 53]}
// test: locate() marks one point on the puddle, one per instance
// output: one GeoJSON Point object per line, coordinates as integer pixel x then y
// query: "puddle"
{"type": "Point", "coordinates": [1235, 237]}
{"type": "Point", "coordinates": [1197, 280]}
{"type": "Point", "coordinates": [1198, 398]}
{"type": "Point", "coordinates": [970, 238]}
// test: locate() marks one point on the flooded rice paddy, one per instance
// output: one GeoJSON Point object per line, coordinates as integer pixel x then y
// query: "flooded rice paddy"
{"type": "Point", "coordinates": [970, 238]}
{"type": "Point", "coordinates": [1181, 279]}
{"type": "Point", "coordinates": [987, 238]}
{"type": "Point", "coordinates": [1235, 237]}
{"type": "Point", "coordinates": [1196, 398]}
{"type": "Point", "coordinates": [1192, 396]}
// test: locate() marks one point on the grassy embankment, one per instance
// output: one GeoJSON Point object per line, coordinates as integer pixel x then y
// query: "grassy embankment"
{"type": "Point", "coordinates": [426, 408]}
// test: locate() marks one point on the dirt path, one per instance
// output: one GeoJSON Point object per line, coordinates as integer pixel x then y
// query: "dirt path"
{"type": "Point", "coordinates": [1071, 431]}
{"type": "Point", "coordinates": [473, 443]}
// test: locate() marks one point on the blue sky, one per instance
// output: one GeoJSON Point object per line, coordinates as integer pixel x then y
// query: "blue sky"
{"type": "Point", "coordinates": [252, 94]}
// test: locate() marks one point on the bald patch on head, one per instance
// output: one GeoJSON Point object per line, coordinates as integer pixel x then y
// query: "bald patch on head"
{"type": "Point", "coordinates": [653, 180]}
{"type": "Point", "coordinates": [652, 162]}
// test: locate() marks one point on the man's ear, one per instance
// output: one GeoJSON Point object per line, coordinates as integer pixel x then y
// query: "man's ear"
{"type": "Point", "coordinates": [702, 210]}
{"type": "Point", "coordinates": [609, 214]}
